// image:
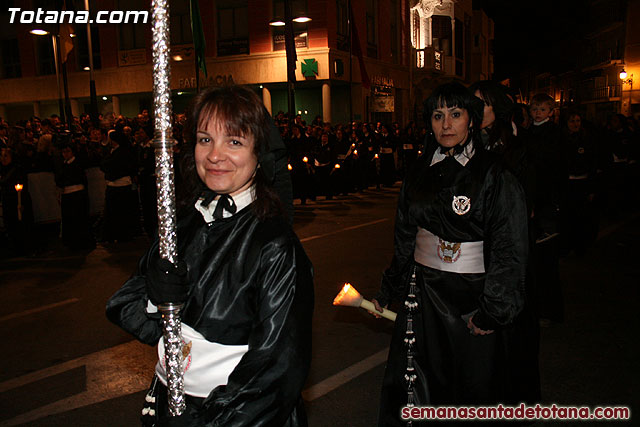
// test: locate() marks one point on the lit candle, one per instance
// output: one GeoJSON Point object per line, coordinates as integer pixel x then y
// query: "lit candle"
{"type": "Point", "coordinates": [349, 296]}
{"type": "Point", "coordinates": [19, 190]}
{"type": "Point", "coordinates": [305, 159]}
{"type": "Point", "coordinates": [289, 166]}
{"type": "Point", "coordinates": [375, 156]}
{"type": "Point", "coordinates": [337, 166]}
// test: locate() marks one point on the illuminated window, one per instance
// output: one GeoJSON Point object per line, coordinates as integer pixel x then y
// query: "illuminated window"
{"type": "Point", "coordinates": [441, 29]}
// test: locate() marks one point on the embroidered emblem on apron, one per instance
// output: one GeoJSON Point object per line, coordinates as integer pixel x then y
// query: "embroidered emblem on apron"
{"type": "Point", "coordinates": [186, 356]}
{"type": "Point", "coordinates": [448, 252]}
{"type": "Point", "coordinates": [461, 204]}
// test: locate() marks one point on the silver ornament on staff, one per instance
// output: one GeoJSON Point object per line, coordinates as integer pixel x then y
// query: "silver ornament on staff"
{"type": "Point", "coordinates": [163, 143]}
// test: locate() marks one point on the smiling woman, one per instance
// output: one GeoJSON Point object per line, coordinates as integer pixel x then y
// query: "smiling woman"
{"type": "Point", "coordinates": [245, 280]}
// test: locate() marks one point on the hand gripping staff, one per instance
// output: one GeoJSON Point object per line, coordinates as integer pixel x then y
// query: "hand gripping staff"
{"type": "Point", "coordinates": [163, 143]}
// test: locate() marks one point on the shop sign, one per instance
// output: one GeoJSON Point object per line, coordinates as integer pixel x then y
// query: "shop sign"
{"type": "Point", "coordinates": [132, 57]}
{"type": "Point", "coordinates": [300, 39]}
{"type": "Point", "coordinates": [219, 80]}
{"type": "Point", "coordinates": [382, 104]}
{"type": "Point", "coordinates": [382, 100]}
{"type": "Point", "coordinates": [309, 67]}
{"type": "Point", "coordinates": [382, 81]}
{"type": "Point", "coordinates": [437, 60]}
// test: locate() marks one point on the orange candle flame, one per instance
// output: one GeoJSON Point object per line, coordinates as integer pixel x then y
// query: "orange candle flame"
{"type": "Point", "coordinates": [19, 187]}
{"type": "Point", "coordinates": [289, 166]}
{"type": "Point", "coordinates": [305, 159]}
{"type": "Point", "coordinates": [348, 296]}
{"type": "Point", "coordinates": [337, 166]}
{"type": "Point", "coordinates": [376, 156]}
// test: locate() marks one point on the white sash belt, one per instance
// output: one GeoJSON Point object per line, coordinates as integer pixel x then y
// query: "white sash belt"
{"type": "Point", "coordinates": [206, 366]}
{"type": "Point", "coordinates": [454, 257]}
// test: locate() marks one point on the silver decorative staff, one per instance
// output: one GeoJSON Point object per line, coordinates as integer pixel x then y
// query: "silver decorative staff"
{"type": "Point", "coordinates": [163, 143]}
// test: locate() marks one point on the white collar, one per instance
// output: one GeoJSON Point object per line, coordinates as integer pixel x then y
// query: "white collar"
{"type": "Point", "coordinates": [462, 158]}
{"type": "Point", "coordinates": [541, 123]}
{"type": "Point", "coordinates": [242, 200]}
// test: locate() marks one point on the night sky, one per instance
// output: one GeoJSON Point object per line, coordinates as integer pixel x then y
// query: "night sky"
{"type": "Point", "coordinates": [535, 35]}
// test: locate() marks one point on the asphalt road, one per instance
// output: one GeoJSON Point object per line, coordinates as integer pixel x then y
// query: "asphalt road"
{"type": "Point", "coordinates": [65, 364]}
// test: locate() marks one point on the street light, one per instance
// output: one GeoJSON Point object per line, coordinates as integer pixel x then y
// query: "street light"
{"type": "Point", "coordinates": [629, 81]}
{"type": "Point", "coordinates": [290, 48]}
{"type": "Point", "coordinates": [56, 59]}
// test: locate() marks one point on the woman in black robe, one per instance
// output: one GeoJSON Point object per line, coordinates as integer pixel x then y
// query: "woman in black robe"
{"type": "Point", "coordinates": [244, 278]}
{"type": "Point", "coordinates": [458, 266]}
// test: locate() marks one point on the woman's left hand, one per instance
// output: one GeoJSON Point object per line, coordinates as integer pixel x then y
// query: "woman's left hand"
{"type": "Point", "coordinates": [474, 330]}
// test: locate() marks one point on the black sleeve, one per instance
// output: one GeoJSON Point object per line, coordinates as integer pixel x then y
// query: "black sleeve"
{"type": "Point", "coordinates": [394, 278]}
{"type": "Point", "coordinates": [127, 308]}
{"type": "Point", "coordinates": [265, 386]}
{"type": "Point", "coordinates": [506, 237]}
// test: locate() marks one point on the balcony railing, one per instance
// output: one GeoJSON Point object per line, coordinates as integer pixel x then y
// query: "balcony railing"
{"type": "Point", "coordinates": [603, 93]}
{"type": "Point", "coordinates": [429, 58]}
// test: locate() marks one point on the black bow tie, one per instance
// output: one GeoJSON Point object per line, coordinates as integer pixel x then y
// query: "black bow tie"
{"type": "Point", "coordinates": [225, 203]}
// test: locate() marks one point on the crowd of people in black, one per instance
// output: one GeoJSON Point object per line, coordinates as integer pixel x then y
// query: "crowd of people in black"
{"type": "Point", "coordinates": [573, 170]}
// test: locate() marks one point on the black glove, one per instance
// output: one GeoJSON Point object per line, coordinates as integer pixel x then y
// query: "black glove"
{"type": "Point", "coordinates": [166, 282]}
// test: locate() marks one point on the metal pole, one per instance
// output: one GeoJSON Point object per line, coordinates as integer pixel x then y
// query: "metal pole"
{"type": "Point", "coordinates": [92, 83]}
{"type": "Point", "coordinates": [54, 40]}
{"type": "Point", "coordinates": [350, 63]}
{"type": "Point", "coordinates": [163, 143]}
{"type": "Point", "coordinates": [290, 82]}
{"type": "Point", "coordinates": [630, 94]}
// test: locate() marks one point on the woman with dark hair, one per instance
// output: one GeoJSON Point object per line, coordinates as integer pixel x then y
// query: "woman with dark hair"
{"type": "Point", "coordinates": [245, 280]}
{"type": "Point", "coordinates": [458, 266]}
{"type": "Point", "coordinates": [501, 135]}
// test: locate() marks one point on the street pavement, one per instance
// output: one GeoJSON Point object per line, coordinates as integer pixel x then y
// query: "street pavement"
{"type": "Point", "coordinates": [65, 364]}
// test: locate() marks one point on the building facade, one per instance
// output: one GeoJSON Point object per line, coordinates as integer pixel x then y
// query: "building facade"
{"type": "Point", "coordinates": [610, 43]}
{"type": "Point", "coordinates": [407, 48]}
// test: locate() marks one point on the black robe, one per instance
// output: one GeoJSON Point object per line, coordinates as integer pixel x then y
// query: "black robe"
{"type": "Point", "coordinates": [452, 366]}
{"type": "Point", "coordinates": [251, 283]}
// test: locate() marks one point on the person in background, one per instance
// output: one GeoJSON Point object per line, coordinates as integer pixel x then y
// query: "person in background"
{"type": "Point", "coordinates": [548, 159]}
{"type": "Point", "coordinates": [17, 217]}
{"type": "Point", "coordinates": [500, 136]}
{"type": "Point", "coordinates": [74, 201]}
{"type": "Point", "coordinates": [460, 256]}
{"type": "Point", "coordinates": [121, 206]}
{"type": "Point", "coordinates": [578, 219]}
